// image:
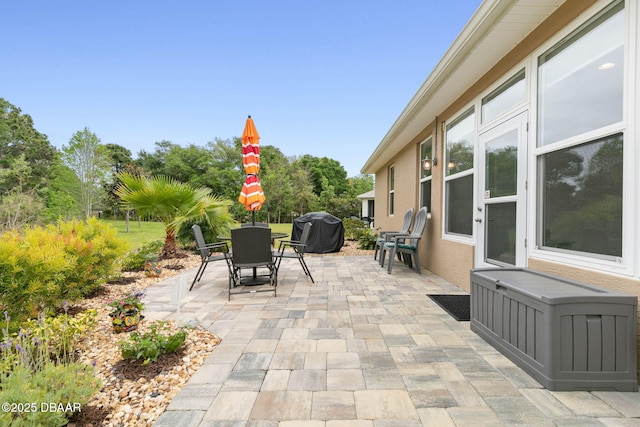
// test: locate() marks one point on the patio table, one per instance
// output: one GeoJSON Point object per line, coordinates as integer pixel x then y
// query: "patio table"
{"type": "Point", "coordinates": [254, 279]}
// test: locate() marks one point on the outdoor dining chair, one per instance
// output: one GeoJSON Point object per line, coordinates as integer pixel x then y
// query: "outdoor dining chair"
{"type": "Point", "coordinates": [385, 236]}
{"type": "Point", "coordinates": [208, 253]}
{"type": "Point", "coordinates": [254, 224]}
{"type": "Point", "coordinates": [406, 243]}
{"type": "Point", "coordinates": [297, 250]}
{"type": "Point", "coordinates": [251, 249]}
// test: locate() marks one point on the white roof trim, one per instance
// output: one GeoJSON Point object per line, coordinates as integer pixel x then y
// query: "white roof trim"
{"type": "Point", "coordinates": [492, 32]}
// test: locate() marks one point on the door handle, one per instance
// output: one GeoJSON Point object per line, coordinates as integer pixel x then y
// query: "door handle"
{"type": "Point", "coordinates": [478, 220]}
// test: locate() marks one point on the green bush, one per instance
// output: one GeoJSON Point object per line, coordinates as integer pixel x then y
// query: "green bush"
{"type": "Point", "coordinates": [69, 386]}
{"type": "Point", "coordinates": [43, 267]}
{"type": "Point", "coordinates": [153, 344]}
{"type": "Point", "coordinates": [134, 260]}
{"type": "Point", "coordinates": [367, 239]}
{"type": "Point", "coordinates": [37, 369]}
{"type": "Point", "coordinates": [96, 249]}
{"type": "Point", "coordinates": [353, 228]}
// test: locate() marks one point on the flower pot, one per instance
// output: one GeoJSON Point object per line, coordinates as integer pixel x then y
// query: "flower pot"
{"type": "Point", "coordinates": [125, 320]}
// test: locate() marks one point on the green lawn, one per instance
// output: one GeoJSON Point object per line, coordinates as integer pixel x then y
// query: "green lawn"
{"type": "Point", "coordinates": [139, 233]}
{"type": "Point", "coordinates": [147, 231]}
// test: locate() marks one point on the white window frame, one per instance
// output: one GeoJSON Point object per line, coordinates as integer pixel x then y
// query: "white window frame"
{"type": "Point", "coordinates": [422, 179]}
{"type": "Point", "coordinates": [455, 237]}
{"type": "Point", "coordinates": [624, 265]}
{"type": "Point", "coordinates": [391, 182]}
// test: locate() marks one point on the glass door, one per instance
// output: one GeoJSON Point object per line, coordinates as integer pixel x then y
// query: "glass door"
{"type": "Point", "coordinates": [501, 212]}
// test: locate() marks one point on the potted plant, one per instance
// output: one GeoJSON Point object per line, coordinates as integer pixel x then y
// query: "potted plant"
{"type": "Point", "coordinates": [125, 314]}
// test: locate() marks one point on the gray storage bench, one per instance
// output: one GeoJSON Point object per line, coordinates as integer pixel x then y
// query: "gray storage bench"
{"type": "Point", "coordinates": [567, 335]}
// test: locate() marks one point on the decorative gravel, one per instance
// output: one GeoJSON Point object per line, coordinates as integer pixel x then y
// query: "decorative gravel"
{"type": "Point", "coordinates": [134, 394]}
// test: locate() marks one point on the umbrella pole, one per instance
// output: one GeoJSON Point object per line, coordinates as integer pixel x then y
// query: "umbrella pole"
{"type": "Point", "coordinates": [253, 218]}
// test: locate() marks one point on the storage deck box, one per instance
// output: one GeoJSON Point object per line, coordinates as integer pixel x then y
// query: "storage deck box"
{"type": "Point", "coordinates": [567, 335]}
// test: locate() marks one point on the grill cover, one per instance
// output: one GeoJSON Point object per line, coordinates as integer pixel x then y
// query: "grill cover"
{"type": "Point", "coordinates": [327, 232]}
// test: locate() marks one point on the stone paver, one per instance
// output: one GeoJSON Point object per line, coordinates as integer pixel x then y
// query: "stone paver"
{"type": "Point", "coordinates": [359, 348]}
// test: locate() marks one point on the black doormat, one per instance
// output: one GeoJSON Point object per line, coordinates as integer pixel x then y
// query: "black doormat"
{"type": "Point", "coordinates": [458, 306]}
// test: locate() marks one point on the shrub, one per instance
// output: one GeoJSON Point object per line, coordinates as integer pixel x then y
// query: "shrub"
{"type": "Point", "coordinates": [353, 228]}
{"type": "Point", "coordinates": [134, 260]}
{"type": "Point", "coordinates": [62, 333]}
{"type": "Point", "coordinates": [356, 229]}
{"type": "Point", "coordinates": [71, 386]}
{"type": "Point", "coordinates": [367, 239]}
{"type": "Point", "coordinates": [153, 344]}
{"type": "Point", "coordinates": [37, 370]}
{"type": "Point", "coordinates": [96, 249]}
{"type": "Point", "coordinates": [42, 267]}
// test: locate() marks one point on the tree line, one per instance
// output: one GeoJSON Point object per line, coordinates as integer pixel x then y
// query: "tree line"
{"type": "Point", "coordinates": [39, 183]}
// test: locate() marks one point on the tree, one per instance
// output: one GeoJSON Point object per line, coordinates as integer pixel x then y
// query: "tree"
{"type": "Point", "coordinates": [18, 205]}
{"type": "Point", "coordinates": [62, 195]}
{"type": "Point", "coordinates": [119, 160]}
{"type": "Point", "coordinates": [88, 158]}
{"type": "Point", "coordinates": [18, 137]}
{"type": "Point", "coordinates": [325, 167]}
{"type": "Point", "coordinates": [173, 203]}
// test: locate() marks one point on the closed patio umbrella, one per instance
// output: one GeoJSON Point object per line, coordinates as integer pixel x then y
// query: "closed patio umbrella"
{"type": "Point", "coordinates": [251, 196]}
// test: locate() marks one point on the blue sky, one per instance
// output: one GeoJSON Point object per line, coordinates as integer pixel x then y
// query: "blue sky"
{"type": "Point", "coordinates": [326, 78]}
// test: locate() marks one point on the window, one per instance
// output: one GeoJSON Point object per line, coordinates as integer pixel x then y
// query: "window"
{"type": "Point", "coordinates": [391, 189]}
{"type": "Point", "coordinates": [580, 101]}
{"type": "Point", "coordinates": [460, 146]}
{"type": "Point", "coordinates": [580, 80]}
{"type": "Point", "coordinates": [507, 95]}
{"type": "Point", "coordinates": [426, 153]}
{"type": "Point", "coordinates": [581, 190]}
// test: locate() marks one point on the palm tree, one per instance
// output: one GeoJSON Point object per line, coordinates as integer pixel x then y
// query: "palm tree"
{"type": "Point", "coordinates": [173, 203]}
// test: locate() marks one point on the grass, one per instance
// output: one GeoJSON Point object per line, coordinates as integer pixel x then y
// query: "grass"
{"type": "Point", "coordinates": [139, 232]}
{"type": "Point", "coordinates": [147, 231]}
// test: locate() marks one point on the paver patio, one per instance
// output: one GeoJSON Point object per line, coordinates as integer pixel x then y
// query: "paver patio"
{"type": "Point", "coordinates": [359, 348]}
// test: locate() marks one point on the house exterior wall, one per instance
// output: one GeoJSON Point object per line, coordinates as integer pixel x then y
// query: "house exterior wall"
{"type": "Point", "coordinates": [449, 259]}
{"type": "Point", "coordinates": [452, 259]}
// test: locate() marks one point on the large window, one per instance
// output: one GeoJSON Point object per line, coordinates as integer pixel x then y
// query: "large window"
{"type": "Point", "coordinates": [392, 184]}
{"type": "Point", "coordinates": [580, 80]}
{"type": "Point", "coordinates": [426, 164]}
{"type": "Point", "coordinates": [582, 197]}
{"type": "Point", "coordinates": [460, 146]}
{"type": "Point", "coordinates": [580, 139]}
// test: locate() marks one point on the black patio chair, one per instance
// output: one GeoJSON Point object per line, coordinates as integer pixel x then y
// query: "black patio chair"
{"type": "Point", "coordinates": [385, 236]}
{"type": "Point", "coordinates": [208, 253]}
{"type": "Point", "coordinates": [251, 249]}
{"type": "Point", "coordinates": [297, 250]}
{"type": "Point", "coordinates": [406, 243]}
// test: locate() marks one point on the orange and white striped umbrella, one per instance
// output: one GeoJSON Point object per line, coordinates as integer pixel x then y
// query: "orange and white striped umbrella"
{"type": "Point", "coordinates": [251, 196]}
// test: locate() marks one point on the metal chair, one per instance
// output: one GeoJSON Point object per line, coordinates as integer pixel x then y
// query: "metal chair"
{"type": "Point", "coordinates": [254, 224]}
{"type": "Point", "coordinates": [208, 253]}
{"type": "Point", "coordinates": [251, 248]}
{"type": "Point", "coordinates": [406, 243]}
{"type": "Point", "coordinates": [385, 236]}
{"type": "Point", "coordinates": [297, 250]}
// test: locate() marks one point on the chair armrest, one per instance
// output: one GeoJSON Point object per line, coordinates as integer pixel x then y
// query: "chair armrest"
{"type": "Point", "coordinates": [287, 243]}
{"type": "Point", "coordinates": [220, 245]}
{"type": "Point", "coordinates": [291, 244]}
{"type": "Point", "coordinates": [383, 233]}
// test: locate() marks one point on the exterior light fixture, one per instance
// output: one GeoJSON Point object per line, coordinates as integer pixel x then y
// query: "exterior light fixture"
{"type": "Point", "coordinates": [451, 164]}
{"type": "Point", "coordinates": [429, 163]}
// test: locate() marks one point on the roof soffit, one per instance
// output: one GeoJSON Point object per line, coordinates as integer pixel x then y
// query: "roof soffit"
{"type": "Point", "coordinates": [492, 32]}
